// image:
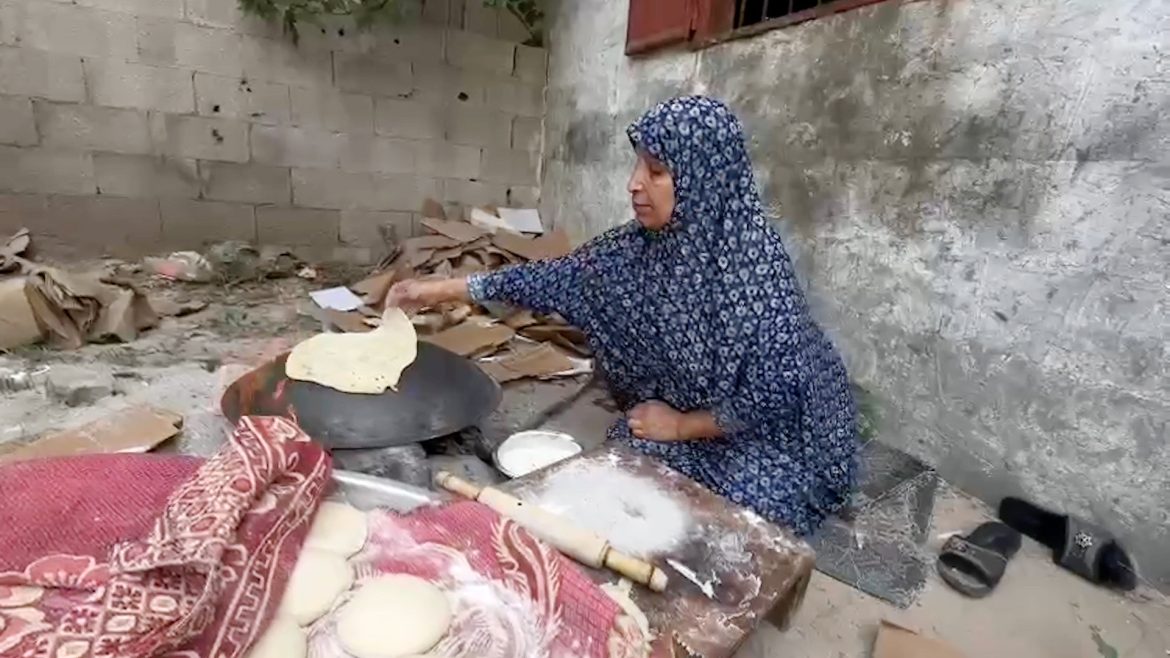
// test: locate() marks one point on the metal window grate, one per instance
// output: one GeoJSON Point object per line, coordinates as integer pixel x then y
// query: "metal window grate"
{"type": "Point", "coordinates": [749, 13]}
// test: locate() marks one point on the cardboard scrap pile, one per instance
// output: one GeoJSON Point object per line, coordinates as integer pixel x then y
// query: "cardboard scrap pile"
{"type": "Point", "coordinates": [509, 344]}
{"type": "Point", "coordinates": [66, 309]}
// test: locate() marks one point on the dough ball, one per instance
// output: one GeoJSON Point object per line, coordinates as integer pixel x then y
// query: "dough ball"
{"type": "Point", "coordinates": [338, 528]}
{"type": "Point", "coordinates": [282, 639]}
{"type": "Point", "coordinates": [316, 581]}
{"type": "Point", "coordinates": [393, 616]}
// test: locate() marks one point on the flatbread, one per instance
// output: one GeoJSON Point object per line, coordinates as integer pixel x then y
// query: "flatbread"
{"type": "Point", "coordinates": [366, 363]}
{"type": "Point", "coordinates": [316, 581]}
{"type": "Point", "coordinates": [393, 616]}
{"type": "Point", "coordinates": [282, 639]}
{"type": "Point", "coordinates": [338, 528]}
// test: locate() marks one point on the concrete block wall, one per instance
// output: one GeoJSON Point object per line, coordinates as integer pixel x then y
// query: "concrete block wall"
{"type": "Point", "coordinates": [130, 126]}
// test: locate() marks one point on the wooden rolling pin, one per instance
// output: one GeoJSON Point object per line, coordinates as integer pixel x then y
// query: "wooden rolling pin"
{"type": "Point", "coordinates": [578, 543]}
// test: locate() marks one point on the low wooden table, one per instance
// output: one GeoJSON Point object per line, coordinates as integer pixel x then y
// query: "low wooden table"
{"type": "Point", "coordinates": [758, 570]}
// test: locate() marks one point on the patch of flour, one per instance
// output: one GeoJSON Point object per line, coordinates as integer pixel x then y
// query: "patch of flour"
{"type": "Point", "coordinates": [632, 513]}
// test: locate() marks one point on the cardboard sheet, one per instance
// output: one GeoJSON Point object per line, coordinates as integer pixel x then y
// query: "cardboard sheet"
{"type": "Point", "coordinates": [468, 338]}
{"type": "Point", "coordinates": [462, 232]}
{"type": "Point", "coordinates": [350, 322]}
{"type": "Point", "coordinates": [75, 308]}
{"type": "Point", "coordinates": [895, 641]}
{"type": "Point", "coordinates": [550, 245]}
{"type": "Point", "coordinates": [433, 209]}
{"type": "Point", "coordinates": [137, 429]}
{"type": "Point", "coordinates": [18, 326]}
{"type": "Point", "coordinates": [540, 362]}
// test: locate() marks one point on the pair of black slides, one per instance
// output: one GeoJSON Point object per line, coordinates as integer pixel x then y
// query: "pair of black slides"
{"type": "Point", "coordinates": [975, 563]}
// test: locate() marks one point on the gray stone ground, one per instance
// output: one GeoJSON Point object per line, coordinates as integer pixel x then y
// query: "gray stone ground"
{"type": "Point", "coordinates": [1039, 611]}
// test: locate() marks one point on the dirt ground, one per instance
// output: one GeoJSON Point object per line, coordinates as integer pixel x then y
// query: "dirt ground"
{"type": "Point", "coordinates": [185, 363]}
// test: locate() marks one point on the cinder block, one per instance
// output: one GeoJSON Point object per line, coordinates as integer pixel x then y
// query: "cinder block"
{"type": "Point", "coordinates": [204, 138]}
{"type": "Point", "coordinates": [209, 50]}
{"type": "Point", "coordinates": [156, 41]}
{"type": "Point", "coordinates": [277, 60]}
{"type": "Point", "coordinates": [219, 13]}
{"type": "Point", "coordinates": [88, 127]}
{"type": "Point", "coordinates": [436, 12]}
{"type": "Point", "coordinates": [407, 118]}
{"type": "Point", "coordinates": [122, 84]}
{"type": "Point", "coordinates": [479, 19]}
{"type": "Point", "coordinates": [474, 193]}
{"type": "Point", "coordinates": [146, 176]}
{"type": "Point", "coordinates": [160, 8]}
{"type": "Point", "coordinates": [442, 85]}
{"type": "Point", "coordinates": [296, 147]}
{"type": "Point", "coordinates": [511, 167]}
{"type": "Point", "coordinates": [297, 226]}
{"type": "Point", "coordinates": [368, 74]}
{"type": "Point", "coordinates": [188, 224]}
{"type": "Point", "coordinates": [444, 160]}
{"type": "Point", "coordinates": [532, 65]}
{"type": "Point", "coordinates": [477, 125]}
{"type": "Point", "coordinates": [474, 52]}
{"type": "Point", "coordinates": [331, 188]}
{"type": "Point", "coordinates": [249, 183]}
{"type": "Point", "coordinates": [363, 153]}
{"type": "Point", "coordinates": [262, 102]}
{"type": "Point", "coordinates": [527, 134]}
{"type": "Point", "coordinates": [522, 196]}
{"type": "Point", "coordinates": [512, 29]}
{"type": "Point", "coordinates": [19, 211]}
{"type": "Point", "coordinates": [69, 29]}
{"type": "Point", "coordinates": [359, 228]}
{"type": "Point", "coordinates": [101, 225]}
{"type": "Point", "coordinates": [24, 169]}
{"type": "Point", "coordinates": [27, 72]}
{"type": "Point", "coordinates": [17, 126]}
{"type": "Point", "coordinates": [401, 41]}
{"type": "Point", "coordinates": [332, 110]}
{"type": "Point", "coordinates": [515, 96]}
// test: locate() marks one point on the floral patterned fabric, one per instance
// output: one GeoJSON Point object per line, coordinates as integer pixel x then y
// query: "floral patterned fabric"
{"type": "Point", "coordinates": [147, 555]}
{"type": "Point", "coordinates": [707, 314]}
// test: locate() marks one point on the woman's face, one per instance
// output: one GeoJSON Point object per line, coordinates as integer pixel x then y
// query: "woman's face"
{"type": "Point", "coordinates": [651, 192]}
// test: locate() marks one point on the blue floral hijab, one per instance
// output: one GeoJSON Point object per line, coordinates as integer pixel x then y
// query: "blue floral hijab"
{"type": "Point", "coordinates": [707, 314]}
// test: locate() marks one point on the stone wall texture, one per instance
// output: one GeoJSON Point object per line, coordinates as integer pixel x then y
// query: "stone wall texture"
{"type": "Point", "coordinates": [977, 195]}
{"type": "Point", "coordinates": [130, 126]}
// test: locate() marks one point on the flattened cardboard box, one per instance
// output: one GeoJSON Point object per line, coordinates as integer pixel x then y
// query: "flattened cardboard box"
{"type": "Point", "coordinates": [133, 430]}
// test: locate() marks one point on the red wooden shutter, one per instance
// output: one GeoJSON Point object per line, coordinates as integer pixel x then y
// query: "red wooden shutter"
{"type": "Point", "coordinates": [657, 23]}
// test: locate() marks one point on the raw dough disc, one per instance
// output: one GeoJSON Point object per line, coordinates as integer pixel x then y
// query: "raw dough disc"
{"type": "Point", "coordinates": [393, 616]}
{"type": "Point", "coordinates": [282, 639]}
{"type": "Point", "coordinates": [316, 581]}
{"type": "Point", "coordinates": [357, 363]}
{"type": "Point", "coordinates": [338, 528]}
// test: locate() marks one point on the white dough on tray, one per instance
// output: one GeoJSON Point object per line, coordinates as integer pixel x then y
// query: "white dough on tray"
{"type": "Point", "coordinates": [338, 528]}
{"type": "Point", "coordinates": [318, 578]}
{"type": "Point", "coordinates": [392, 617]}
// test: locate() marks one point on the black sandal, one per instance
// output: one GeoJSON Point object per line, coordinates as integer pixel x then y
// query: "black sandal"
{"type": "Point", "coordinates": [1083, 548]}
{"type": "Point", "coordinates": [973, 565]}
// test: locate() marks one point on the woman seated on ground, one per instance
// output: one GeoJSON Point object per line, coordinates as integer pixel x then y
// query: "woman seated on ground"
{"type": "Point", "coordinates": [698, 324]}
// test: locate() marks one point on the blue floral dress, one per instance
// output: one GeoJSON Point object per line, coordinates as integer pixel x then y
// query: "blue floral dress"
{"type": "Point", "coordinates": [707, 314]}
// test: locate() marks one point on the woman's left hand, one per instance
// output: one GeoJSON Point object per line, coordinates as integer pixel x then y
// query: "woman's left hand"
{"type": "Point", "coordinates": [655, 421]}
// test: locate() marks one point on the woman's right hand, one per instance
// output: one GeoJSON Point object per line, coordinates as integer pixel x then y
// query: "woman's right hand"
{"type": "Point", "coordinates": [414, 294]}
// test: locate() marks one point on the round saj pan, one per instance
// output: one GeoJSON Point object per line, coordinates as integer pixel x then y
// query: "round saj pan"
{"type": "Point", "coordinates": [439, 394]}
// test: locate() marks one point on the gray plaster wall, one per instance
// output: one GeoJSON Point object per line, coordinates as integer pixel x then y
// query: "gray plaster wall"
{"type": "Point", "coordinates": [976, 193]}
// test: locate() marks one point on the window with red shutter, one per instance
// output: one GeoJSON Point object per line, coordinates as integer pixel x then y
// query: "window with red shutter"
{"type": "Point", "coordinates": [655, 24]}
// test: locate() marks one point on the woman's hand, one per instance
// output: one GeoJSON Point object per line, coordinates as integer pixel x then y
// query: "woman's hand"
{"type": "Point", "coordinates": [658, 421]}
{"type": "Point", "coordinates": [414, 294]}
